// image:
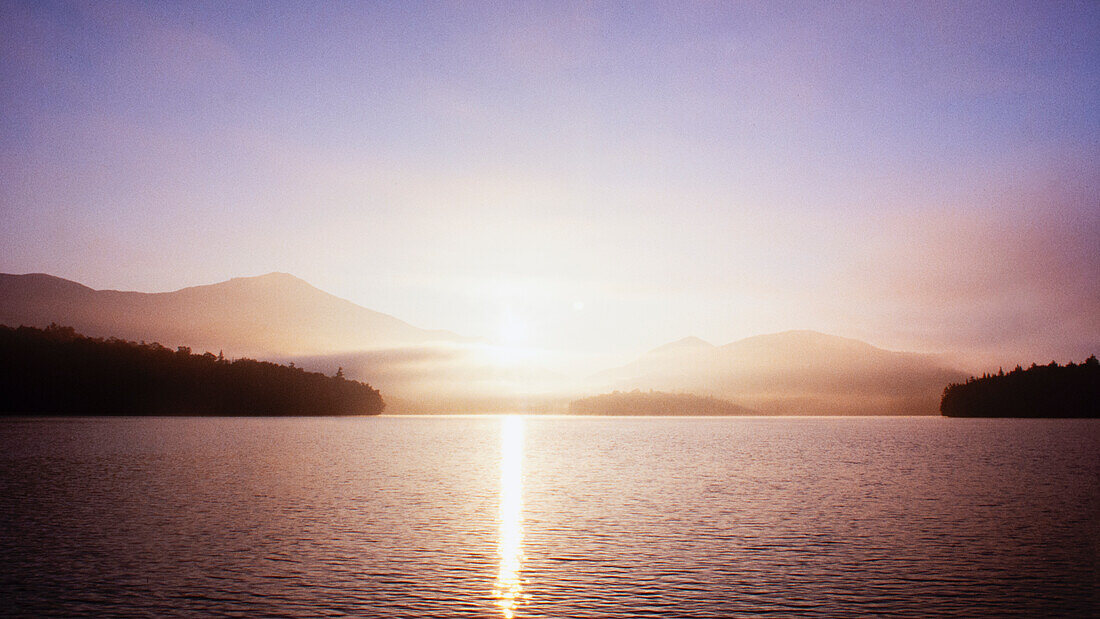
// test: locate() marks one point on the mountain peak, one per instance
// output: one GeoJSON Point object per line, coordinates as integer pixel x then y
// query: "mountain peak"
{"type": "Point", "coordinates": [268, 282]}
{"type": "Point", "coordinates": [41, 282]}
{"type": "Point", "coordinates": [275, 313]}
{"type": "Point", "coordinates": [275, 277]}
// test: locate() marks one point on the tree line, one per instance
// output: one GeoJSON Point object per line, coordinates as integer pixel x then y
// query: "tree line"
{"type": "Point", "coordinates": [1053, 390]}
{"type": "Point", "coordinates": [57, 371]}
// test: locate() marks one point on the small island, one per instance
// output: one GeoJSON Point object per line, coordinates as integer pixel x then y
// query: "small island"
{"type": "Point", "coordinates": [1053, 391]}
{"type": "Point", "coordinates": [56, 371]}
{"type": "Point", "coordinates": [655, 403]}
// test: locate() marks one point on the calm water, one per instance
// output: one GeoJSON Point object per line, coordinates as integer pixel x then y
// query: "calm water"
{"type": "Point", "coordinates": [549, 517]}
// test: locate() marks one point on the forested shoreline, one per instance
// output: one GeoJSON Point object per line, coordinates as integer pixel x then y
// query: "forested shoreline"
{"type": "Point", "coordinates": [1071, 390]}
{"type": "Point", "coordinates": [57, 371]}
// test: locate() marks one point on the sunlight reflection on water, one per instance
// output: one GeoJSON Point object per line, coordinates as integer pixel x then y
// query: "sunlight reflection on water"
{"type": "Point", "coordinates": [508, 589]}
{"type": "Point", "coordinates": [577, 517]}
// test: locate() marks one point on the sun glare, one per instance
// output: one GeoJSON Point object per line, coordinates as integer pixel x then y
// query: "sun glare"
{"type": "Point", "coordinates": [508, 589]}
{"type": "Point", "coordinates": [512, 331]}
{"type": "Point", "coordinates": [509, 356]}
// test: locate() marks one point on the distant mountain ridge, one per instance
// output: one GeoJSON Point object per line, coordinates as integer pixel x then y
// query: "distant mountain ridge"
{"type": "Point", "coordinates": [269, 314]}
{"type": "Point", "coordinates": [688, 343]}
{"type": "Point", "coordinates": [655, 403]}
{"type": "Point", "coordinates": [278, 316]}
{"type": "Point", "coordinates": [792, 372]}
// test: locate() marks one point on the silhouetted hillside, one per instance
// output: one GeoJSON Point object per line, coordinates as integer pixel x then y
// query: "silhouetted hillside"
{"type": "Point", "coordinates": [654, 403]}
{"type": "Point", "coordinates": [792, 373]}
{"type": "Point", "coordinates": [57, 371]}
{"type": "Point", "coordinates": [273, 314]}
{"type": "Point", "coordinates": [1040, 391]}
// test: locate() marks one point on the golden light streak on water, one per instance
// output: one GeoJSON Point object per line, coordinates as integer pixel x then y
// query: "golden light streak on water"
{"type": "Point", "coordinates": [508, 590]}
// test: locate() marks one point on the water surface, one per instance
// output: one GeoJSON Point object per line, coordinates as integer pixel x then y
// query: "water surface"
{"type": "Point", "coordinates": [549, 517]}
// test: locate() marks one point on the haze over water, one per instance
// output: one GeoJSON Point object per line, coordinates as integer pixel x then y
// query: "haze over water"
{"type": "Point", "coordinates": [549, 517]}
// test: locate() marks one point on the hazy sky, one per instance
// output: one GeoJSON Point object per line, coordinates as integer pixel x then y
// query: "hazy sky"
{"type": "Point", "coordinates": [594, 177]}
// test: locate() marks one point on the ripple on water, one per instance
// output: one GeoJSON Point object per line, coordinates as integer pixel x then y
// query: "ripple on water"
{"type": "Point", "coordinates": [549, 517]}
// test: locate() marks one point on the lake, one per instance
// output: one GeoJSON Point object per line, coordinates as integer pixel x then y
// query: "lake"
{"type": "Point", "coordinates": [487, 516]}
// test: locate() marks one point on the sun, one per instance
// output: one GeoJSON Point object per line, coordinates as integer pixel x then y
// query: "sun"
{"type": "Point", "coordinates": [511, 348]}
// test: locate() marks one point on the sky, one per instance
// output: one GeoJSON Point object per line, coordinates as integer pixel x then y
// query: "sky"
{"type": "Point", "coordinates": [588, 177]}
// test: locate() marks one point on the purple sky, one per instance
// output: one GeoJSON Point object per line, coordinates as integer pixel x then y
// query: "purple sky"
{"type": "Point", "coordinates": [585, 177]}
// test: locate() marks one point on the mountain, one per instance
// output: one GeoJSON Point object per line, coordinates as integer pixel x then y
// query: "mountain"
{"type": "Point", "coordinates": [656, 403]}
{"type": "Point", "coordinates": [278, 316]}
{"type": "Point", "coordinates": [691, 343]}
{"type": "Point", "coordinates": [274, 314]}
{"type": "Point", "coordinates": [794, 372]}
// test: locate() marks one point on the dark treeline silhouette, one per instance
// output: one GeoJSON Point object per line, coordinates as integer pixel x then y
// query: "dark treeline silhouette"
{"type": "Point", "coordinates": [56, 371]}
{"type": "Point", "coordinates": [654, 403]}
{"type": "Point", "coordinates": [1040, 391]}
